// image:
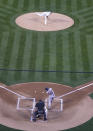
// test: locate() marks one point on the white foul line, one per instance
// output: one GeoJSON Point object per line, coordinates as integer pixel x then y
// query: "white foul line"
{"type": "Point", "coordinates": [12, 92]}
{"type": "Point", "coordinates": [56, 97]}
{"type": "Point", "coordinates": [74, 91]}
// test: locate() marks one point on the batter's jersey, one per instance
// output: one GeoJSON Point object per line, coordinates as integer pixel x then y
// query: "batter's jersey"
{"type": "Point", "coordinates": [51, 92]}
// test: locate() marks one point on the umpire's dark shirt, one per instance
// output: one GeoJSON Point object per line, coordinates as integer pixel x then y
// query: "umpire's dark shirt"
{"type": "Point", "coordinates": [40, 105]}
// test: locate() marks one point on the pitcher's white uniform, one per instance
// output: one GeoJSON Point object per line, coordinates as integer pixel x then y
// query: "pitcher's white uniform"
{"type": "Point", "coordinates": [51, 94]}
{"type": "Point", "coordinates": [45, 14]}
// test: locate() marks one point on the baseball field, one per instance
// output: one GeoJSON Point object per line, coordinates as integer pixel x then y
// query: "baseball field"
{"type": "Point", "coordinates": [64, 56]}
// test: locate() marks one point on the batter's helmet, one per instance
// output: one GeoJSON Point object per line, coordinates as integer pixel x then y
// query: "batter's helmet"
{"type": "Point", "coordinates": [46, 89]}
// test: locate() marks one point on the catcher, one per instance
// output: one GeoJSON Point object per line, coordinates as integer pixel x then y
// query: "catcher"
{"type": "Point", "coordinates": [39, 110]}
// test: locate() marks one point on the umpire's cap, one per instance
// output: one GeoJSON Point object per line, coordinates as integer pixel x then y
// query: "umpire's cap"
{"type": "Point", "coordinates": [46, 89]}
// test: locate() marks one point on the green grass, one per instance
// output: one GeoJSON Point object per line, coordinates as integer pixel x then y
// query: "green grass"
{"type": "Point", "coordinates": [60, 53]}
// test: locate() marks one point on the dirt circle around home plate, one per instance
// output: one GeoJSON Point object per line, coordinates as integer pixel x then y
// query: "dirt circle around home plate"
{"type": "Point", "coordinates": [55, 22]}
{"type": "Point", "coordinates": [77, 107]}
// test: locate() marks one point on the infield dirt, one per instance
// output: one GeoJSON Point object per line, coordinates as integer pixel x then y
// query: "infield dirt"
{"type": "Point", "coordinates": [77, 107]}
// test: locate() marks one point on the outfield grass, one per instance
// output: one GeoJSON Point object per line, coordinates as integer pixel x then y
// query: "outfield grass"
{"type": "Point", "coordinates": [63, 57]}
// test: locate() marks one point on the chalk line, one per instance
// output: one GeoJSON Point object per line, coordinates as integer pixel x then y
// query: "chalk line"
{"type": "Point", "coordinates": [74, 91]}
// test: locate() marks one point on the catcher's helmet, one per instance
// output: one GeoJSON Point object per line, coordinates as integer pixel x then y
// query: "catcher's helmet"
{"type": "Point", "coordinates": [46, 89]}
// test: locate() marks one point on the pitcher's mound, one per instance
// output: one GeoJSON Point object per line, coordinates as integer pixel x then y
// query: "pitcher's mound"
{"type": "Point", "coordinates": [55, 22]}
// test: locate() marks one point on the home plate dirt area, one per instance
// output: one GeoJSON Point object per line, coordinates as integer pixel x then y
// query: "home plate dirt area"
{"type": "Point", "coordinates": [77, 106]}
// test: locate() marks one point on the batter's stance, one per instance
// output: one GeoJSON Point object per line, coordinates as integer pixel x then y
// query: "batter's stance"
{"type": "Point", "coordinates": [51, 94]}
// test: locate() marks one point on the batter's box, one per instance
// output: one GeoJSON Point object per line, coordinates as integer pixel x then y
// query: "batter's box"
{"type": "Point", "coordinates": [25, 103]}
{"type": "Point", "coordinates": [57, 105]}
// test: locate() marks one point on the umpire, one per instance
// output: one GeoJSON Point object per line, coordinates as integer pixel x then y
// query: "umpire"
{"type": "Point", "coordinates": [39, 110]}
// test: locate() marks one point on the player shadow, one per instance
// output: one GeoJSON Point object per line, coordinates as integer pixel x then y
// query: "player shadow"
{"type": "Point", "coordinates": [58, 20]}
{"type": "Point", "coordinates": [34, 20]}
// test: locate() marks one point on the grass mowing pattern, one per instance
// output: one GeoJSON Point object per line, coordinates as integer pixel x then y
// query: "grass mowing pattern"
{"type": "Point", "coordinates": [68, 50]}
